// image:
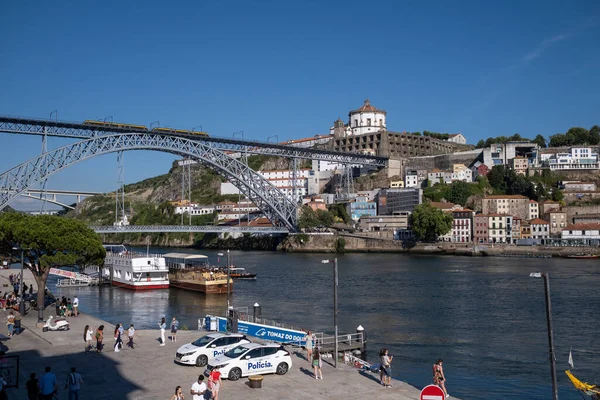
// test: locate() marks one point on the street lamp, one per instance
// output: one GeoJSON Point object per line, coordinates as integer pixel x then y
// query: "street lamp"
{"type": "Point", "coordinates": [228, 263]}
{"type": "Point", "coordinates": [21, 302]}
{"type": "Point", "coordinates": [550, 335]}
{"type": "Point", "coordinates": [335, 308]}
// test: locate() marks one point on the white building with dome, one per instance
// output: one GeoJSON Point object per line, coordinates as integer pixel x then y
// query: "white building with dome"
{"type": "Point", "coordinates": [366, 119]}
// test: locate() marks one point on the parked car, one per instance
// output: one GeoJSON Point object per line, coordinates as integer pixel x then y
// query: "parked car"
{"type": "Point", "coordinates": [201, 351]}
{"type": "Point", "coordinates": [252, 359]}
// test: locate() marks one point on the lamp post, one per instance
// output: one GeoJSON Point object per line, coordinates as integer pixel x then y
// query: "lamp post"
{"type": "Point", "coordinates": [550, 334]}
{"type": "Point", "coordinates": [335, 308]}
{"type": "Point", "coordinates": [21, 302]}
{"type": "Point", "coordinates": [228, 264]}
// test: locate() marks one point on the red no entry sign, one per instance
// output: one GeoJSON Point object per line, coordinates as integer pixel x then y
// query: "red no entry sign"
{"type": "Point", "coordinates": [432, 392]}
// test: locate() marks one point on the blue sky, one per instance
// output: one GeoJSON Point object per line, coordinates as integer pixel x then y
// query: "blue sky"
{"type": "Point", "coordinates": [291, 68]}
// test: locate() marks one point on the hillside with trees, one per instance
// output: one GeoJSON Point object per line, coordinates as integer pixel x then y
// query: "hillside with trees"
{"type": "Point", "coordinates": [575, 136]}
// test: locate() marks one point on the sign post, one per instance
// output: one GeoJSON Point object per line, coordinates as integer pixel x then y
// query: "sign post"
{"type": "Point", "coordinates": [432, 392]}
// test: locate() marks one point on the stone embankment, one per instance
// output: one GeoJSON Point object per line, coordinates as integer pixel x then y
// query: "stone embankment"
{"type": "Point", "coordinates": [374, 242]}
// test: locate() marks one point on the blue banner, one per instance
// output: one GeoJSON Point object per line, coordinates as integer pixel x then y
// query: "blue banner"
{"type": "Point", "coordinates": [267, 332]}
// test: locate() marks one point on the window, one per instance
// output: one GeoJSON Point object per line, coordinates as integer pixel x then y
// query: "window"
{"type": "Point", "coordinates": [355, 122]}
{"type": "Point", "coordinates": [254, 353]}
{"type": "Point", "coordinates": [268, 351]}
{"type": "Point", "coordinates": [368, 121]}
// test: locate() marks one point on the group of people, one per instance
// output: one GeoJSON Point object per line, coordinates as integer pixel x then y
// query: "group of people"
{"type": "Point", "coordinates": [13, 323]}
{"type": "Point", "coordinates": [200, 390]}
{"type": "Point", "coordinates": [119, 333]}
{"type": "Point", "coordinates": [46, 388]}
{"type": "Point", "coordinates": [313, 355]}
{"type": "Point", "coordinates": [68, 308]}
{"type": "Point", "coordinates": [163, 327]}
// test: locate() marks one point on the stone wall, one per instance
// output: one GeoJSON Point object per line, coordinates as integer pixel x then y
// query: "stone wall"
{"type": "Point", "coordinates": [443, 161]}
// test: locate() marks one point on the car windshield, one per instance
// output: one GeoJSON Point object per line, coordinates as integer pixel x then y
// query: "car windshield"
{"type": "Point", "coordinates": [235, 352]}
{"type": "Point", "coordinates": [203, 341]}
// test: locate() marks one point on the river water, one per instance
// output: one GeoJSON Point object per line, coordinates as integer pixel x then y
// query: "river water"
{"type": "Point", "coordinates": [484, 316]}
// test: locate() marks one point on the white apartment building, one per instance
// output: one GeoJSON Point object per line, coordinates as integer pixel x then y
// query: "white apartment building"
{"type": "Point", "coordinates": [306, 183]}
{"type": "Point", "coordinates": [540, 229]}
{"type": "Point", "coordinates": [498, 228]}
{"type": "Point", "coordinates": [464, 174]}
{"type": "Point", "coordinates": [457, 138]}
{"type": "Point", "coordinates": [577, 158]}
{"type": "Point", "coordinates": [195, 209]}
{"type": "Point", "coordinates": [414, 178]}
{"type": "Point", "coordinates": [581, 231]}
{"type": "Point", "coordinates": [534, 210]}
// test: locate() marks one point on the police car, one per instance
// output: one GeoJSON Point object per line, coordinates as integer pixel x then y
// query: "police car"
{"type": "Point", "coordinates": [206, 348]}
{"type": "Point", "coordinates": [251, 359]}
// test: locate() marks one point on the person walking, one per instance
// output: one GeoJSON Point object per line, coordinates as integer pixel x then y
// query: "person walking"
{"type": "Point", "coordinates": [10, 323]}
{"type": "Point", "coordinates": [439, 378]}
{"type": "Point", "coordinates": [163, 325]}
{"type": "Point", "coordinates": [199, 390]}
{"type": "Point", "coordinates": [33, 387]}
{"type": "Point", "coordinates": [386, 365]}
{"type": "Point", "coordinates": [178, 394]}
{"type": "Point", "coordinates": [87, 337]}
{"type": "Point", "coordinates": [130, 335]}
{"type": "Point", "coordinates": [75, 306]}
{"type": "Point", "coordinates": [317, 363]}
{"type": "Point", "coordinates": [381, 354]}
{"type": "Point", "coordinates": [48, 385]}
{"type": "Point", "coordinates": [99, 338]}
{"type": "Point", "coordinates": [309, 346]}
{"type": "Point", "coordinates": [214, 382]}
{"type": "Point", "coordinates": [73, 383]}
{"type": "Point", "coordinates": [118, 340]}
{"type": "Point", "coordinates": [174, 328]}
{"type": "Point", "coordinates": [17, 328]}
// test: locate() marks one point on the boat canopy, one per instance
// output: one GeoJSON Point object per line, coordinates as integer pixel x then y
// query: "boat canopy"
{"type": "Point", "coordinates": [182, 261]}
{"type": "Point", "coordinates": [186, 257]}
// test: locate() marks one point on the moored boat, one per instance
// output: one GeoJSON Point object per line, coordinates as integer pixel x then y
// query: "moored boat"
{"type": "Point", "coordinates": [583, 256]}
{"type": "Point", "coordinates": [135, 270]}
{"type": "Point", "coordinates": [190, 272]}
{"type": "Point", "coordinates": [593, 391]}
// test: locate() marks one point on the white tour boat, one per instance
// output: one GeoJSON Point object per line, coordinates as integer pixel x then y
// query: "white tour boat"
{"type": "Point", "coordinates": [135, 270]}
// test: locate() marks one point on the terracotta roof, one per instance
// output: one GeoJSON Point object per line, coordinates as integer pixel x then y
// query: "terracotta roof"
{"type": "Point", "coordinates": [538, 221]}
{"type": "Point", "coordinates": [582, 227]}
{"type": "Point", "coordinates": [442, 206]}
{"type": "Point", "coordinates": [504, 196]}
{"type": "Point", "coordinates": [533, 202]}
{"type": "Point", "coordinates": [492, 215]}
{"type": "Point", "coordinates": [367, 107]}
{"type": "Point", "coordinates": [436, 170]}
{"type": "Point", "coordinates": [454, 134]}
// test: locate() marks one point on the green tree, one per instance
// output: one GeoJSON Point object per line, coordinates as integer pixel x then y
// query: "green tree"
{"type": "Point", "coordinates": [578, 135]}
{"type": "Point", "coordinates": [308, 218]}
{"type": "Point", "coordinates": [428, 222]}
{"type": "Point", "coordinates": [540, 141]}
{"type": "Point", "coordinates": [324, 218]}
{"type": "Point", "coordinates": [595, 135]}
{"type": "Point", "coordinates": [480, 144]}
{"type": "Point", "coordinates": [48, 242]}
{"type": "Point", "coordinates": [557, 194]}
{"type": "Point", "coordinates": [458, 193]}
{"type": "Point", "coordinates": [496, 177]}
{"type": "Point", "coordinates": [558, 140]}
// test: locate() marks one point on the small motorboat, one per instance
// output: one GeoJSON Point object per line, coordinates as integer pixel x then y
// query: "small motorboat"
{"type": "Point", "coordinates": [583, 256]}
{"type": "Point", "coordinates": [238, 273]}
{"type": "Point", "coordinates": [592, 391]}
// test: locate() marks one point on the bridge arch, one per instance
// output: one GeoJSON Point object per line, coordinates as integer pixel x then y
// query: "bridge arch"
{"type": "Point", "coordinates": [276, 206]}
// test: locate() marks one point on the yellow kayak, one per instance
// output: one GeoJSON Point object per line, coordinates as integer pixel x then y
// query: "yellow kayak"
{"type": "Point", "coordinates": [590, 390]}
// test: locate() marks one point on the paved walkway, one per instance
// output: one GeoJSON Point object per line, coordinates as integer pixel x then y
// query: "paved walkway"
{"type": "Point", "coordinates": [148, 371]}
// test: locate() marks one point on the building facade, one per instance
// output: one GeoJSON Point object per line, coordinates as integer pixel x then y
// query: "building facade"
{"type": "Point", "coordinates": [361, 206]}
{"type": "Point", "coordinates": [398, 200]}
{"type": "Point", "coordinates": [519, 164]}
{"type": "Point", "coordinates": [534, 210]}
{"type": "Point", "coordinates": [557, 220]}
{"type": "Point", "coordinates": [506, 204]}
{"type": "Point", "coordinates": [581, 232]}
{"type": "Point", "coordinates": [540, 229]}
{"type": "Point", "coordinates": [578, 158]}
{"type": "Point", "coordinates": [457, 138]}
{"type": "Point", "coordinates": [480, 229]}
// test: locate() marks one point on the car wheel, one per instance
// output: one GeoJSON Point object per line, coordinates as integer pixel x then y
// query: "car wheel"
{"type": "Point", "coordinates": [44, 329]}
{"type": "Point", "coordinates": [235, 374]}
{"type": "Point", "coordinates": [201, 361]}
{"type": "Point", "coordinates": [282, 368]}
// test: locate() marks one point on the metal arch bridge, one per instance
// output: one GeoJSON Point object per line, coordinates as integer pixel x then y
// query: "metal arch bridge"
{"type": "Point", "coordinates": [274, 204]}
{"type": "Point", "coordinates": [51, 195]}
{"type": "Point", "coordinates": [189, 229]}
{"type": "Point", "coordinates": [42, 127]}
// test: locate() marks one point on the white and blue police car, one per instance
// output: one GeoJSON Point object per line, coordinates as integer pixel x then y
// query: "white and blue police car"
{"type": "Point", "coordinates": [201, 351]}
{"type": "Point", "coordinates": [251, 359]}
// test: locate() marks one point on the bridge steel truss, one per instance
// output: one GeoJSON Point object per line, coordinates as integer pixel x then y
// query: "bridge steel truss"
{"type": "Point", "coordinates": [79, 131]}
{"type": "Point", "coordinates": [275, 205]}
{"type": "Point", "coordinates": [189, 228]}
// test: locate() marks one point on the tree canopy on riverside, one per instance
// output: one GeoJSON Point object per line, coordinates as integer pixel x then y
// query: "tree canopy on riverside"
{"type": "Point", "coordinates": [428, 223]}
{"type": "Point", "coordinates": [48, 242]}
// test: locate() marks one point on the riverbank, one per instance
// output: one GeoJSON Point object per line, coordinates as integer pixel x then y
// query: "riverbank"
{"type": "Point", "coordinates": [148, 371]}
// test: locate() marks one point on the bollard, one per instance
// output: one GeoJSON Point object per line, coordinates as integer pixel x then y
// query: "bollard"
{"type": "Point", "coordinates": [360, 329]}
{"type": "Point", "coordinates": [257, 311]}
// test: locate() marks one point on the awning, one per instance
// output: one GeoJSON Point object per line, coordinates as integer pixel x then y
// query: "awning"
{"type": "Point", "coordinates": [185, 256]}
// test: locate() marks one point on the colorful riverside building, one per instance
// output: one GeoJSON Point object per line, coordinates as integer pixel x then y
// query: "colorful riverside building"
{"type": "Point", "coordinates": [462, 223]}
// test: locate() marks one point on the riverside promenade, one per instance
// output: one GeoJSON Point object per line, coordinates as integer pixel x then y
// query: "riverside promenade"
{"type": "Point", "coordinates": [148, 371]}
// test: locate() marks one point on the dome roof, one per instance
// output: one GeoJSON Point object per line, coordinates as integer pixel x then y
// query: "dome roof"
{"type": "Point", "coordinates": [367, 107]}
